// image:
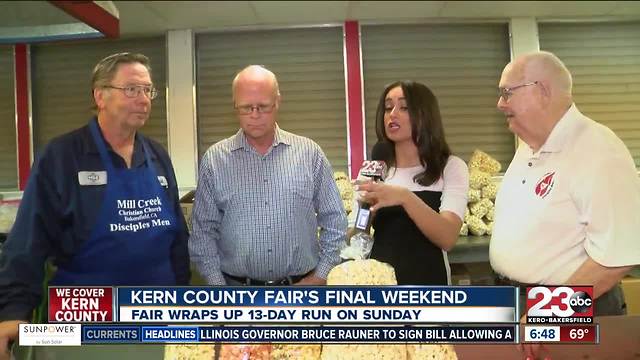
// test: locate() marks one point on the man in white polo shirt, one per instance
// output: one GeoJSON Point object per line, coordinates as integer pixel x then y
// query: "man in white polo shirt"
{"type": "Point", "coordinates": [568, 209]}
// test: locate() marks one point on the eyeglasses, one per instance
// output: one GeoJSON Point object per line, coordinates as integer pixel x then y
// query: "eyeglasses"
{"type": "Point", "coordinates": [506, 93]}
{"type": "Point", "coordinates": [133, 91]}
{"type": "Point", "coordinates": [262, 109]}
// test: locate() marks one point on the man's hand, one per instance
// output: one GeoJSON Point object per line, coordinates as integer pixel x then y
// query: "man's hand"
{"type": "Point", "coordinates": [311, 279]}
{"type": "Point", "coordinates": [8, 333]}
{"type": "Point", "coordinates": [532, 351]}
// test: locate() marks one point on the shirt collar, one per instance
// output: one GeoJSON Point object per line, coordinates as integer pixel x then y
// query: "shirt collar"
{"type": "Point", "coordinates": [561, 131]}
{"type": "Point", "coordinates": [90, 146]}
{"type": "Point", "coordinates": [239, 140]}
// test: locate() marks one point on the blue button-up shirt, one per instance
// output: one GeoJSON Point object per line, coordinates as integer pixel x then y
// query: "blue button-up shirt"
{"type": "Point", "coordinates": [57, 214]}
{"type": "Point", "coordinates": [258, 215]}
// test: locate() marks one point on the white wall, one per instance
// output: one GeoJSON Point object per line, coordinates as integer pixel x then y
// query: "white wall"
{"type": "Point", "coordinates": [181, 109]}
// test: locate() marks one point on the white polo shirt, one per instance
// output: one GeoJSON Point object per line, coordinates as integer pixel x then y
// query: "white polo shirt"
{"type": "Point", "coordinates": [577, 197]}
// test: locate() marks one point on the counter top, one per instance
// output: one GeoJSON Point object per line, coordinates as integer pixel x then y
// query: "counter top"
{"type": "Point", "coordinates": [470, 249]}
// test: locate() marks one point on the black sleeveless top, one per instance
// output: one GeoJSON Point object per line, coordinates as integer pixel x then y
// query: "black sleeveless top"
{"type": "Point", "coordinates": [399, 242]}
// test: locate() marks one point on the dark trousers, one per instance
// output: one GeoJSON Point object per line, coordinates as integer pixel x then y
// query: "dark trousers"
{"type": "Point", "coordinates": [232, 282]}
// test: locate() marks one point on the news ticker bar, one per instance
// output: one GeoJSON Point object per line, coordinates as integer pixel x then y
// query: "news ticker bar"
{"type": "Point", "coordinates": [284, 305]}
{"type": "Point", "coordinates": [76, 334]}
{"type": "Point", "coordinates": [577, 334]}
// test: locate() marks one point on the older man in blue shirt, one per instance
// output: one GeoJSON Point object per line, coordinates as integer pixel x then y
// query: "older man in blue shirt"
{"type": "Point", "coordinates": [261, 196]}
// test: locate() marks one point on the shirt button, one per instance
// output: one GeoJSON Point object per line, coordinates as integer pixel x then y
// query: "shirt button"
{"type": "Point", "coordinates": [530, 164]}
{"type": "Point", "coordinates": [524, 181]}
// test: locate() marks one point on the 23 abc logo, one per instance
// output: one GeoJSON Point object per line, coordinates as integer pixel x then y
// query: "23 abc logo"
{"type": "Point", "coordinates": [562, 301]}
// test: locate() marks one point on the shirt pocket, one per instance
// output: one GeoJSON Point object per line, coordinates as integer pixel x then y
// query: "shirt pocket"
{"type": "Point", "coordinates": [302, 194]}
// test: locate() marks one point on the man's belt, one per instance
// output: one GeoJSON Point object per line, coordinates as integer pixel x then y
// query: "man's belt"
{"type": "Point", "coordinates": [289, 280]}
{"type": "Point", "coordinates": [505, 281]}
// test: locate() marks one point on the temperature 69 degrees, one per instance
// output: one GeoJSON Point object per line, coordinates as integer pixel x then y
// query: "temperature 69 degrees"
{"type": "Point", "coordinates": [585, 334]}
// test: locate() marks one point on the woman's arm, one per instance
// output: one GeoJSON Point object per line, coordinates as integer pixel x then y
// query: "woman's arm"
{"type": "Point", "coordinates": [442, 227]}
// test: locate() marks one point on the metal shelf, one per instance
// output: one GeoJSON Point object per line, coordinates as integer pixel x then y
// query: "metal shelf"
{"type": "Point", "coordinates": [470, 249]}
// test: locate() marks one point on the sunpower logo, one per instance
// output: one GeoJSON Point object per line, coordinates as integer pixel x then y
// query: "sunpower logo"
{"type": "Point", "coordinates": [49, 329]}
{"type": "Point", "coordinates": [50, 335]}
{"type": "Point", "coordinates": [544, 185]}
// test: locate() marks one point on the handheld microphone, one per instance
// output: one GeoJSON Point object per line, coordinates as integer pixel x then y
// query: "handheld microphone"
{"type": "Point", "coordinates": [376, 170]}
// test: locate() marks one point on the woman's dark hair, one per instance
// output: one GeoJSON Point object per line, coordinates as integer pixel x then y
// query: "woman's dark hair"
{"type": "Point", "coordinates": [427, 131]}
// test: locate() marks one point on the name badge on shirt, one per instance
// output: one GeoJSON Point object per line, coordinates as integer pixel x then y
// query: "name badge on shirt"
{"type": "Point", "coordinates": [163, 181]}
{"type": "Point", "coordinates": [92, 177]}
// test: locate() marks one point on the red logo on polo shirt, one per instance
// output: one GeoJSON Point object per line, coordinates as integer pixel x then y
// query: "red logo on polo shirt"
{"type": "Point", "coordinates": [544, 185]}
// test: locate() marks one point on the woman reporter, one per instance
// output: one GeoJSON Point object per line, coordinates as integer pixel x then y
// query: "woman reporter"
{"type": "Point", "coordinates": [421, 203]}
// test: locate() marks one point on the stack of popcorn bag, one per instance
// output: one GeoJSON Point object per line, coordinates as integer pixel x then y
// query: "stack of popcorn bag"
{"type": "Point", "coordinates": [363, 272]}
{"type": "Point", "coordinates": [360, 271]}
{"type": "Point", "coordinates": [478, 218]}
{"type": "Point", "coordinates": [346, 190]}
{"type": "Point", "coordinates": [356, 272]}
{"type": "Point", "coordinates": [373, 272]}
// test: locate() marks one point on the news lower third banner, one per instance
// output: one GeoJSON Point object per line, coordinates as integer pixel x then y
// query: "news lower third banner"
{"type": "Point", "coordinates": [373, 305]}
{"type": "Point", "coordinates": [326, 305]}
{"type": "Point", "coordinates": [80, 334]}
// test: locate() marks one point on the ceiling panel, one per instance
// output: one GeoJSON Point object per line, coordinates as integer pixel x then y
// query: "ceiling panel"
{"type": "Point", "coordinates": [32, 13]}
{"type": "Point", "coordinates": [144, 17]}
{"type": "Point", "coordinates": [301, 12]}
{"type": "Point", "coordinates": [526, 8]}
{"type": "Point", "coordinates": [376, 10]}
{"type": "Point", "coordinates": [157, 17]}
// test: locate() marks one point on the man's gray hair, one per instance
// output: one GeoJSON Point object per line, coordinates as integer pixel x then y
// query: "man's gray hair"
{"type": "Point", "coordinates": [105, 70]}
{"type": "Point", "coordinates": [544, 62]}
